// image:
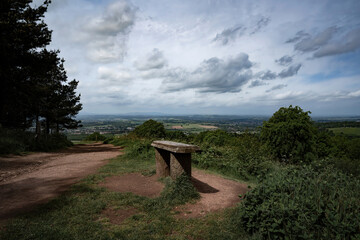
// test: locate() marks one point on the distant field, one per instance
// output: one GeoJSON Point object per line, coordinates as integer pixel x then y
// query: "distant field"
{"type": "Point", "coordinates": [189, 127]}
{"type": "Point", "coordinates": [350, 131]}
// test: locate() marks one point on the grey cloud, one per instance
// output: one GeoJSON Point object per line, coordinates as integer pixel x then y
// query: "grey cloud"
{"type": "Point", "coordinates": [257, 83]}
{"type": "Point", "coordinates": [108, 34]}
{"type": "Point", "coordinates": [214, 75]}
{"type": "Point", "coordinates": [313, 43]}
{"type": "Point", "coordinates": [276, 87]}
{"type": "Point", "coordinates": [154, 60]}
{"type": "Point", "coordinates": [349, 43]}
{"type": "Point", "coordinates": [261, 23]}
{"type": "Point", "coordinates": [118, 18]}
{"type": "Point", "coordinates": [113, 75]}
{"type": "Point", "coordinates": [229, 34]}
{"type": "Point", "coordinates": [284, 60]}
{"type": "Point", "coordinates": [290, 71]}
{"type": "Point", "coordinates": [298, 36]}
{"type": "Point", "coordinates": [266, 75]}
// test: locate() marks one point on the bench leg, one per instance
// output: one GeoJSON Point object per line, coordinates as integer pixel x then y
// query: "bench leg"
{"type": "Point", "coordinates": [162, 162]}
{"type": "Point", "coordinates": [180, 163]}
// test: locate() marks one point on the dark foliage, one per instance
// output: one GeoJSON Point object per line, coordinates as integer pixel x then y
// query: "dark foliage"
{"type": "Point", "coordinates": [33, 81]}
{"type": "Point", "coordinates": [150, 129]}
{"type": "Point", "coordinates": [290, 135]}
{"type": "Point", "coordinates": [18, 141]}
{"type": "Point", "coordinates": [96, 136]}
{"type": "Point", "coordinates": [302, 203]}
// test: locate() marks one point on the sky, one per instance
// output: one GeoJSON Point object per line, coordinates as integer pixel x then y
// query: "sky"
{"type": "Point", "coordinates": [210, 56]}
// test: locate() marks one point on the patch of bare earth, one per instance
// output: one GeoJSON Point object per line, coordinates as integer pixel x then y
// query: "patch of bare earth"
{"type": "Point", "coordinates": [216, 192]}
{"type": "Point", "coordinates": [117, 216]}
{"type": "Point", "coordinates": [135, 183]}
{"type": "Point", "coordinates": [177, 127]}
{"type": "Point", "coordinates": [30, 180]}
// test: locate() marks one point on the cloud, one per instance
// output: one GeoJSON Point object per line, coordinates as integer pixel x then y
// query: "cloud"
{"type": "Point", "coordinates": [113, 75]}
{"type": "Point", "coordinates": [213, 75]}
{"type": "Point", "coordinates": [265, 75]}
{"type": "Point", "coordinates": [290, 71]}
{"type": "Point", "coordinates": [257, 83]}
{"type": "Point", "coordinates": [309, 44]}
{"type": "Point", "coordinates": [298, 36]}
{"type": "Point", "coordinates": [354, 94]}
{"type": "Point", "coordinates": [154, 60]}
{"type": "Point", "coordinates": [326, 43]}
{"type": "Point", "coordinates": [229, 34]}
{"type": "Point", "coordinates": [261, 23]}
{"type": "Point", "coordinates": [276, 87]}
{"type": "Point", "coordinates": [284, 60]}
{"type": "Point", "coordinates": [349, 43]}
{"type": "Point", "coordinates": [108, 33]}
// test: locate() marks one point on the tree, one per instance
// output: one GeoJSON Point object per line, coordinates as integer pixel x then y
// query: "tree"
{"type": "Point", "coordinates": [22, 34]}
{"type": "Point", "coordinates": [150, 129]}
{"type": "Point", "coordinates": [290, 135]}
{"type": "Point", "coordinates": [59, 103]}
{"type": "Point", "coordinates": [33, 81]}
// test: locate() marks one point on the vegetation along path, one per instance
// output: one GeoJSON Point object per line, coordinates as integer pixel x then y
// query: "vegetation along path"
{"type": "Point", "coordinates": [27, 181]}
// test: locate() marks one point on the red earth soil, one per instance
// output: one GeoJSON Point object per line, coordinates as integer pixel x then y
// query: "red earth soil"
{"type": "Point", "coordinates": [216, 192]}
{"type": "Point", "coordinates": [27, 181]}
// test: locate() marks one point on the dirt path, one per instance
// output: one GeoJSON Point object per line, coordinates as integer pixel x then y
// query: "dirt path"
{"type": "Point", "coordinates": [216, 193]}
{"type": "Point", "coordinates": [27, 181]}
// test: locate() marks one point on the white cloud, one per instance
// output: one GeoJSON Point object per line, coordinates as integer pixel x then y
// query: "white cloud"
{"type": "Point", "coordinates": [114, 75]}
{"type": "Point", "coordinates": [214, 75]}
{"type": "Point", "coordinates": [154, 60]}
{"type": "Point", "coordinates": [179, 55]}
{"type": "Point", "coordinates": [106, 35]}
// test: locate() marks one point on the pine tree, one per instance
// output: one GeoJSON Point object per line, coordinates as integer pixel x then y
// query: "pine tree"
{"type": "Point", "coordinates": [22, 34]}
{"type": "Point", "coordinates": [33, 81]}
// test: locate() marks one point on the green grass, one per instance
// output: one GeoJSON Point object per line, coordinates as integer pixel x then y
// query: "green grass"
{"type": "Point", "coordinates": [76, 214]}
{"type": "Point", "coordinates": [349, 131]}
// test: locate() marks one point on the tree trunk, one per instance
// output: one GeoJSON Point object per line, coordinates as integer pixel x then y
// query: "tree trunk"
{"type": "Point", "coordinates": [47, 126]}
{"type": "Point", "coordinates": [38, 127]}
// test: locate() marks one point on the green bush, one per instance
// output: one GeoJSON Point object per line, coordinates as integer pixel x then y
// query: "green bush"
{"type": "Point", "coordinates": [302, 203]}
{"type": "Point", "coordinates": [140, 149]}
{"type": "Point", "coordinates": [108, 140]}
{"type": "Point", "coordinates": [214, 138]}
{"type": "Point", "coordinates": [48, 143]}
{"type": "Point", "coordinates": [176, 136]}
{"type": "Point", "coordinates": [14, 141]}
{"type": "Point", "coordinates": [178, 191]}
{"type": "Point", "coordinates": [290, 135]}
{"type": "Point", "coordinates": [245, 158]}
{"type": "Point", "coordinates": [150, 129]}
{"type": "Point", "coordinates": [96, 136]}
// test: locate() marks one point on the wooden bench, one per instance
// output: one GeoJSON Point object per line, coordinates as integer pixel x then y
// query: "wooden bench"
{"type": "Point", "coordinates": [173, 158]}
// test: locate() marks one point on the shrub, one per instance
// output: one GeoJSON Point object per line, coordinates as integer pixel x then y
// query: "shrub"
{"type": "Point", "coordinates": [150, 129]}
{"type": "Point", "coordinates": [179, 191]}
{"type": "Point", "coordinates": [16, 141]}
{"type": "Point", "coordinates": [301, 203]}
{"type": "Point", "coordinates": [290, 135]}
{"type": "Point", "coordinates": [48, 142]}
{"type": "Point", "coordinates": [108, 140]}
{"type": "Point", "coordinates": [245, 158]}
{"type": "Point", "coordinates": [176, 136]}
{"type": "Point", "coordinates": [140, 149]}
{"type": "Point", "coordinates": [96, 136]}
{"type": "Point", "coordinates": [214, 138]}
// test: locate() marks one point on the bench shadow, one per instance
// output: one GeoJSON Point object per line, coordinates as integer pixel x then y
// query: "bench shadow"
{"type": "Point", "coordinates": [203, 187]}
